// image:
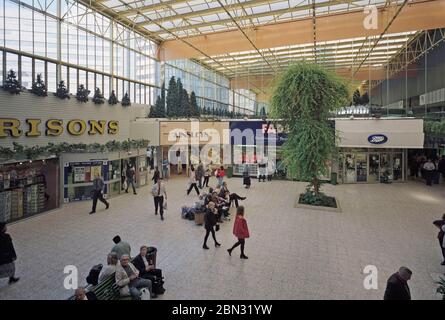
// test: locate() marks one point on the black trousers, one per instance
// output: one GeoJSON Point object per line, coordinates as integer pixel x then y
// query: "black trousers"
{"type": "Point", "coordinates": [428, 177]}
{"type": "Point", "coordinates": [208, 231]}
{"type": "Point", "coordinates": [240, 242]}
{"type": "Point", "coordinates": [206, 181]}
{"type": "Point", "coordinates": [159, 203]}
{"type": "Point", "coordinates": [262, 177]}
{"type": "Point", "coordinates": [97, 194]}
{"type": "Point", "coordinates": [152, 274]}
{"type": "Point", "coordinates": [199, 182]}
{"type": "Point", "coordinates": [234, 198]}
{"type": "Point", "coordinates": [193, 185]}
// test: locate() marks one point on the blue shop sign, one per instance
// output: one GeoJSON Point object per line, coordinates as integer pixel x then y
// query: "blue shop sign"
{"type": "Point", "coordinates": [377, 139]}
{"type": "Point", "coordinates": [261, 126]}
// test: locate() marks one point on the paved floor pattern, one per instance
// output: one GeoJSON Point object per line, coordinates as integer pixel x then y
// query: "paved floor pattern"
{"type": "Point", "coordinates": [293, 253]}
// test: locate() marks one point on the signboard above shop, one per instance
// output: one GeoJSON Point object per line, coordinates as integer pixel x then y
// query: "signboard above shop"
{"type": "Point", "coordinates": [255, 132]}
{"type": "Point", "coordinates": [380, 133]}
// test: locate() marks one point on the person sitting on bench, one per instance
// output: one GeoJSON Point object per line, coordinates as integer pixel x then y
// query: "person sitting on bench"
{"type": "Point", "coordinates": [128, 280]}
{"type": "Point", "coordinates": [147, 269]}
{"type": "Point", "coordinates": [80, 295]}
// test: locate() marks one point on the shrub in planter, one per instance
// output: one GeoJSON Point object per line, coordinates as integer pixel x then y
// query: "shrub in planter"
{"type": "Point", "coordinates": [303, 99]}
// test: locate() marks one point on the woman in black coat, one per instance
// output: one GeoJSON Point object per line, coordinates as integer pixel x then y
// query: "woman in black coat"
{"type": "Point", "coordinates": [7, 255]}
{"type": "Point", "coordinates": [210, 220]}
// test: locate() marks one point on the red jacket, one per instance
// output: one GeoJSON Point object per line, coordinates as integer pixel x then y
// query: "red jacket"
{"type": "Point", "coordinates": [221, 173]}
{"type": "Point", "coordinates": [240, 229]}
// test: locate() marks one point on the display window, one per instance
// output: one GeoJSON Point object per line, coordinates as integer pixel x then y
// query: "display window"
{"type": "Point", "coordinates": [28, 188]}
{"type": "Point", "coordinates": [79, 176]}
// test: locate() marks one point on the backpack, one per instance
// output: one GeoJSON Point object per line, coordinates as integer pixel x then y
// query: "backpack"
{"type": "Point", "coordinates": [93, 276]}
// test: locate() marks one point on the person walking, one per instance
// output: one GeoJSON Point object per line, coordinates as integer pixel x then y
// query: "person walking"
{"type": "Point", "coordinates": [98, 186]}
{"type": "Point", "coordinates": [429, 169]}
{"type": "Point", "coordinates": [7, 256]}
{"type": "Point", "coordinates": [441, 167]}
{"type": "Point", "coordinates": [210, 221]}
{"type": "Point", "coordinates": [241, 231]}
{"type": "Point", "coordinates": [156, 175]}
{"type": "Point", "coordinates": [246, 176]}
{"type": "Point", "coordinates": [200, 174]}
{"type": "Point", "coordinates": [120, 247]}
{"type": "Point", "coordinates": [192, 181]}
{"type": "Point", "coordinates": [207, 175]}
{"type": "Point", "coordinates": [220, 174]}
{"type": "Point", "coordinates": [165, 166]}
{"type": "Point", "coordinates": [159, 191]}
{"type": "Point", "coordinates": [441, 236]}
{"type": "Point", "coordinates": [130, 174]}
{"type": "Point", "coordinates": [397, 286]}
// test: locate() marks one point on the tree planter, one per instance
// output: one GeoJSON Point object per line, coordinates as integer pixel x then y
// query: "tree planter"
{"type": "Point", "coordinates": [320, 208]}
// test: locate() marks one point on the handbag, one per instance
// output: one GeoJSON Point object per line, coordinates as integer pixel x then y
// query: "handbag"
{"type": "Point", "coordinates": [217, 227]}
{"type": "Point", "coordinates": [145, 294]}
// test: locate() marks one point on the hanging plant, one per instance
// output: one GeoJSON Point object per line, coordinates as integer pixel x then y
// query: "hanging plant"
{"type": "Point", "coordinates": [12, 85]}
{"type": "Point", "coordinates": [82, 93]}
{"type": "Point", "coordinates": [126, 100]}
{"type": "Point", "coordinates": [112, 99]}
{"type": "Point", "coordinates": [62, 91]}
{"type": "Point", "coordinates": [98, 97]}
{"type": "Point", "coordinates": [39, 87]}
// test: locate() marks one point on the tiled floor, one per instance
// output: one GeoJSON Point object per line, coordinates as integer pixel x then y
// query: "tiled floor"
{"type": "Point", "coordinates": [293, 253]}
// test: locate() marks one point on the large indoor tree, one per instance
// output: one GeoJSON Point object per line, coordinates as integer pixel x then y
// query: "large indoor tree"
{"type": "Point", "coordinates": [303, 99]}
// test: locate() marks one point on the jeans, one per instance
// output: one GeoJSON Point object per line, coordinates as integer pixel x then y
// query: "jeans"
{"type": "Point", "coordinates": [165, 172]}
{"type": "Point", "coordinates": [159, 203]}
{"type": "Point", "coordinates": [130, 181]}
{"type": "Point", "coordinates": [220, 181]}
{"type": "Point", "coordinates": [138, 284]}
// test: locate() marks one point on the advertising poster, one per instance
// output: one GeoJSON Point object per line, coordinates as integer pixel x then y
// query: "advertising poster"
{"type": "Point", "coordinates": [79, 174]}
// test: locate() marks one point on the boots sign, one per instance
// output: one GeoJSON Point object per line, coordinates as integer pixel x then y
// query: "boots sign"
{"type": "Point", "coordinates": [10, 127]}
{"type": "Point", "coordinates": [377, 139]}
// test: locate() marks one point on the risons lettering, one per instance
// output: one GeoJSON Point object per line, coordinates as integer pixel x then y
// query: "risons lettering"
{"type": "Point", "coordinates": [10, 127]}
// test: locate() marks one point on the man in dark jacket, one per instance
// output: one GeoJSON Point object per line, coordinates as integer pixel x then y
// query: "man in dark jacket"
{"type": "Point", "coordinates": [397, 286]}
{"type": "Point", "coordinates": [98, 185]}
{"type": "Point", "coordinates": [7, 256]}
{"type": "Point", "coordinates": [147, 270]}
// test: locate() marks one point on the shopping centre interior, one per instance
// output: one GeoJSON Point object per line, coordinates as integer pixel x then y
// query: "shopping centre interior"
{"type": "Point", "coordinates": [118, 89]}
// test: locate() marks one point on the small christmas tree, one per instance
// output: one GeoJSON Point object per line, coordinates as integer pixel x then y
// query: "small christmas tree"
{"type": "Point", "coordinates": [126, 100]}
{"type": "Point", "coordinates": [12, 85]}
{"type": "Point", "coordinates": [39, 87]}
{"type": "Point", "coordinates": [82, 94]}
{"type": "Point", "coordinates": [62, 91]}
{"type": "Point", "coordinates": [112, 99]}
{"type": "Point", "coordinates": [98, 97]}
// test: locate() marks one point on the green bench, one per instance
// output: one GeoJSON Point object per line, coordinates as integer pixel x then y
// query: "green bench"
{"type": "Point", "coordinates": [105, 290]}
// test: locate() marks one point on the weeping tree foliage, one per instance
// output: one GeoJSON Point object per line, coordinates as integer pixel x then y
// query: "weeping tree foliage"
{"type": "Point", "coordinates": [303, 99]}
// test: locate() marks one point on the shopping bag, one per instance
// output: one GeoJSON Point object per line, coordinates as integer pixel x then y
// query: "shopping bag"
{"type": "Point", "coordinates": [165, 205]}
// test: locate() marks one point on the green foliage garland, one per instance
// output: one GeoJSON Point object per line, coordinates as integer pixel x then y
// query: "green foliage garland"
{"type": "Point", "coordinates": [56, 149]}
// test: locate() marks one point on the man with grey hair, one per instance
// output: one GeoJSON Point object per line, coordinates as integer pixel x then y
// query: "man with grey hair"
{"type": "Point", "coordinates": [397, 286]}
{"type": "Point", "coordinates": [112, 262]}
{"type": "Point", "coordinates": [127, 279]}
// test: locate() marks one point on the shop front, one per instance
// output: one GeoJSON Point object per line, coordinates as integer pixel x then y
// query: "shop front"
{"type": "Point", "coordinates": [28, 188]}
{"type": "Point", "coordinates": [375, 150]}
{"type": "Point", "coordinates": [256, 141]}
{"type": "Point", "coordinates": [79, 171]}
{"type": "Point", "coordinates": [188, 142]}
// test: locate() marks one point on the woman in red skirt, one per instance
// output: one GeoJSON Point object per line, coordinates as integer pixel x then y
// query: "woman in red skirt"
{"type": "Point", "coordinates": [241, 231]}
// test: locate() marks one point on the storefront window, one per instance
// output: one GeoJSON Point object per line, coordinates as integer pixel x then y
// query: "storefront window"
{"type": "Point", "coordinates": [28, 188]}
{"type": "Point", "coordinates": [79, 178]}
{"type": "Point", "coordinates": [397, 166]}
